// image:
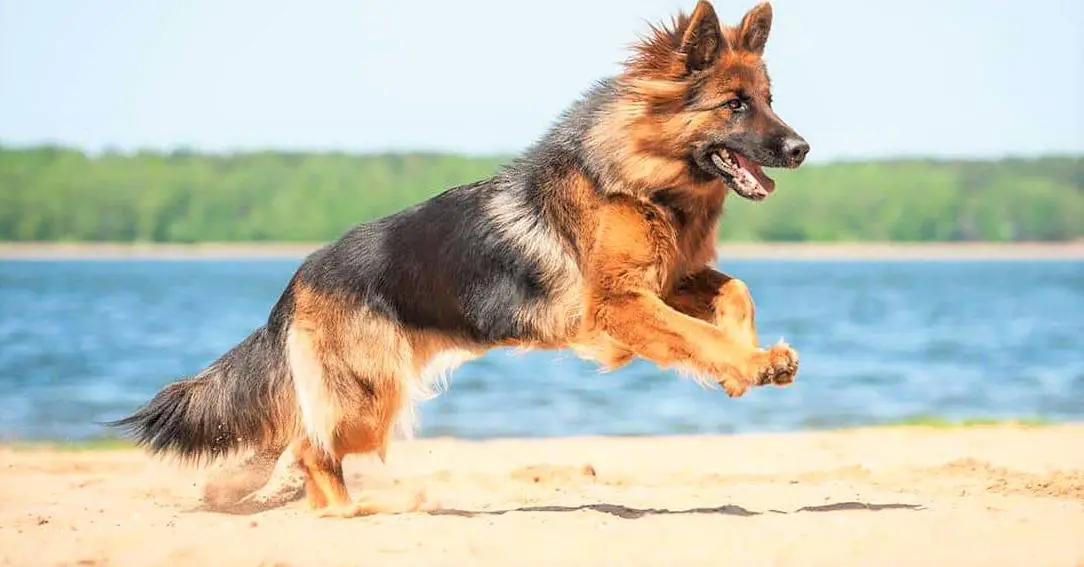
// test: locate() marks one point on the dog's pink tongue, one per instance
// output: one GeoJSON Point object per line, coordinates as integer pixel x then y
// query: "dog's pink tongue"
{"type": "Point", "coordinates": [767, 183]}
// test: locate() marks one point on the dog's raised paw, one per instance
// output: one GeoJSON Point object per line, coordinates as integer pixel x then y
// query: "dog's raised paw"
{"type": "Point", "coordinates": [781, 367]}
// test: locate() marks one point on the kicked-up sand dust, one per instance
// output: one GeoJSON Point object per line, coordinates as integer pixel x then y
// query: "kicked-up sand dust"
{"type": "Point", "coordinates": [992, 495]}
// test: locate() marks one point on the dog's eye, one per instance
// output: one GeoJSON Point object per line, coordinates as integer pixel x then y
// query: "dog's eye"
{"type": "Point", "coordinates": [735, 105]}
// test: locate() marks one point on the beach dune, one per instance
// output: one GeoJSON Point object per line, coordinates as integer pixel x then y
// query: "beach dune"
{"type": "Point", "coordinates": [989, 495]}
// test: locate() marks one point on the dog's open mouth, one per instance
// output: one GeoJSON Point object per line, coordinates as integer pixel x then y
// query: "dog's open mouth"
{"type": "Point", "coordinates": [745, 176]}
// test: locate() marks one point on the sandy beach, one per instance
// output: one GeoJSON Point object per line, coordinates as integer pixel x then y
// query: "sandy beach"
{"type": "Point", "coordinates": [728, 250]}
{"type": "Point", "coordinates": [989, 495]}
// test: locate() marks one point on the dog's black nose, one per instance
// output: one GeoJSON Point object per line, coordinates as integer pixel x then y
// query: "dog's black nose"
{"type": "Point", "coordinates": [795, 149]}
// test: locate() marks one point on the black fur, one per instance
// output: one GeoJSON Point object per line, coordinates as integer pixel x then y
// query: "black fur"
{"type": "Point", "coordinates": [231, 404]}
{"type": "Point", "coordinates": [439, 265]}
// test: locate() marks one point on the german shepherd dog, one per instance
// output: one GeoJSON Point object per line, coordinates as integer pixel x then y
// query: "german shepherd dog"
{"type": "Point", "coordinates": [599, 238]}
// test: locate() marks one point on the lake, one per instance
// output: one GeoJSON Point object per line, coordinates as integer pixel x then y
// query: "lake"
{"type": "Point", "coordinates": [87, 341]}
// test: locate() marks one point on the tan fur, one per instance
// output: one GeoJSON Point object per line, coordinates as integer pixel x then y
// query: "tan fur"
{"type": "Point", "coordinates": [350, 373]}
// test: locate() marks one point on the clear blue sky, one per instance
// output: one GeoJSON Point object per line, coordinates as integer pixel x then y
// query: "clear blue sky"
{"type": "Point", "coordinates": [858, 78]}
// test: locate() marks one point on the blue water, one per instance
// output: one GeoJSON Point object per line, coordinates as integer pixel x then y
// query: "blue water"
{"type": "Point", "coordinates": [84, 342]}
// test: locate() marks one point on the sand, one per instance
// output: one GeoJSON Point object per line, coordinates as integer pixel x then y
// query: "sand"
{"type": "Point", "coordinates": [729, 250]}
{"type": "Point", "coordinates": [996, 495]}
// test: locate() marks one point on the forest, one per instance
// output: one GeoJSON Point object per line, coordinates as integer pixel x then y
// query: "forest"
{"type": "Point", "coordinates": [62, 194]}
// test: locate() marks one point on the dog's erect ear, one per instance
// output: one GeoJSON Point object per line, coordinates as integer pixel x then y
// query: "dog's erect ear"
{"type": "Point", "coordinates": [703, 40]}
{"type": "Point", "coordinates": [754, 28]}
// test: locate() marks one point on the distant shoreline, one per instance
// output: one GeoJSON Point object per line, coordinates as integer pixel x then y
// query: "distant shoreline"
{"type": "Point", "coordinates": [728, 250]}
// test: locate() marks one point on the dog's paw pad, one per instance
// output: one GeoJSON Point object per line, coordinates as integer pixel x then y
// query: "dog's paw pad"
{"type": "Point", "coordinates": [781, 368]}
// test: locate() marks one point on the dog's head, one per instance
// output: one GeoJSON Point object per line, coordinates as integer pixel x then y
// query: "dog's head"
{"type": "Point", "coordinates": [703, 102]}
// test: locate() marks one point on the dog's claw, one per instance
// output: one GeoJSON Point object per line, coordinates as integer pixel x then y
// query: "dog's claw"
{"type": "Point", "coordinates": [781, 368]}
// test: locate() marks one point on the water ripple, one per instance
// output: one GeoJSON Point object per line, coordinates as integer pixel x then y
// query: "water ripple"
{"type": "Point", "coordinates": [89, 341]}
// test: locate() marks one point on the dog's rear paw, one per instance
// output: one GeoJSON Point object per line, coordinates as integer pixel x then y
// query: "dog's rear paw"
{"type": "Point", "coordinates": [780, 367]}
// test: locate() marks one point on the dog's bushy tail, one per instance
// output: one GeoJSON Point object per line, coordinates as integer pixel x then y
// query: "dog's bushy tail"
{"type": "Point", "coordinates": [243, 400]}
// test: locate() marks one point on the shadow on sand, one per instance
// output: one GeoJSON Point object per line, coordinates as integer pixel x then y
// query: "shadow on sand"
{"type": "Point", "coordinates": [728, 510]}
{"type": "Point", "coordinates": [626, 512]}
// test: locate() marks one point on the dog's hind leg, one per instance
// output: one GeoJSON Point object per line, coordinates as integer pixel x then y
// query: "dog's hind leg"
{"type": "Point", "coordinates": [362, 429]}
{"type": "Point", "coordinates": [328, 495]}
{"type": "Point", "coordinates": [348, 366]}
{"type": "Point", "coordinates": [726, 303]}
{"type": "Point", "coordinates": [324, 484]}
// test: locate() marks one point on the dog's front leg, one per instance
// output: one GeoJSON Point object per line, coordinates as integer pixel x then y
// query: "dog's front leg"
{"type": "Point", "coordinates": [651, 329]}
{"type": "Point", "coordinates": [633, 251]}
{"type": "Point", "coordinates": [726, 303]}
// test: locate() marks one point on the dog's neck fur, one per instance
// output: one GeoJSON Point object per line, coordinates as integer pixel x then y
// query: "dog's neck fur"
{"type": "Point", "coordinates": [607, 112]}
{"type": "Point", "coordinates": [694, 204]}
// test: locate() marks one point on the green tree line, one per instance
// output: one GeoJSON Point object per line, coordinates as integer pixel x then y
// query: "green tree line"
{"type": "Point", "coordinates": [61, 194]}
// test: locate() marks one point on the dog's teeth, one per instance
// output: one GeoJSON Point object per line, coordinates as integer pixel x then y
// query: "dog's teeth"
{"type": "Point", "coordinates": [722, 160]}
{"type": "Point", "coordinates": [725, 161]}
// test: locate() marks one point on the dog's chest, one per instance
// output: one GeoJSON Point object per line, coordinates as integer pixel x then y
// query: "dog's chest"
{"type": "Point", "coordinates": [693, 244]}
